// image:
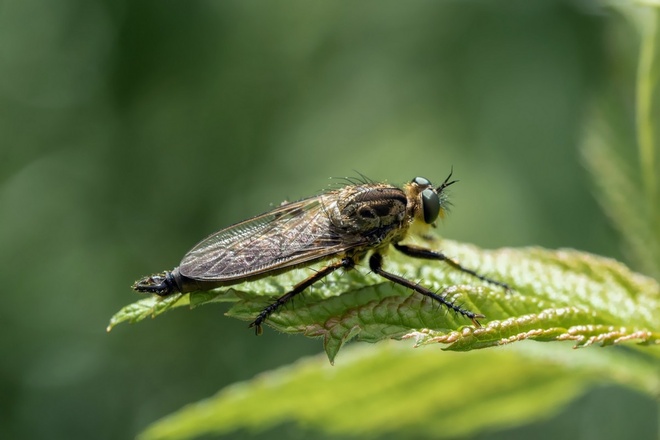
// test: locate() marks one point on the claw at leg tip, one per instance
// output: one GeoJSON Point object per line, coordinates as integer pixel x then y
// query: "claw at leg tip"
{"type": "Point", "coordinates": [258, 330]}
{"type": "Point", "coordinates": [476, 323]}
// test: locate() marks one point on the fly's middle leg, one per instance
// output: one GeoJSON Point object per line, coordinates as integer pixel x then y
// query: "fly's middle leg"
{"type": "Point", "coordinates": [345, 263]}
{"type": "Point", "coordinates": [418, 252]}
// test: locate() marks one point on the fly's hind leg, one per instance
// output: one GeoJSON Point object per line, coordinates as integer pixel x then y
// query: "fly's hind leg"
{"type": "Point", "coordinates": [346, 263]}
{"type": "Point", "coordinates": [376, 265]}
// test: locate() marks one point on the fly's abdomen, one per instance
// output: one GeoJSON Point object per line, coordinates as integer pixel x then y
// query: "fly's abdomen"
{"type": "Point", "coordinates": [163, 284]}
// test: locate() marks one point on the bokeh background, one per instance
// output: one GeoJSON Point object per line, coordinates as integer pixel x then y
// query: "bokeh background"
{"type": "Point", "coordinates": [129, 130]}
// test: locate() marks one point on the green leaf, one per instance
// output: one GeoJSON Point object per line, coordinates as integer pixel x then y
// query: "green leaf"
{"type": "Point", "coordinates": [391, 388]}
{"type": "Point", "coordinates": [559, 295]}
{"type": "Point", "coordinates": [155, 305]}
{"type": "Point", "coordinates": [148, 307]}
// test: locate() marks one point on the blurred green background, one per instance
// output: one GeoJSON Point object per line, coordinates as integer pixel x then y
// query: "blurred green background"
{"type": "Point", "coordinates": [132, 129]}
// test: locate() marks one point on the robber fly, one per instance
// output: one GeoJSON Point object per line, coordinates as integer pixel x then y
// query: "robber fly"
{"type": "Point", "coordinates": [341, 226]}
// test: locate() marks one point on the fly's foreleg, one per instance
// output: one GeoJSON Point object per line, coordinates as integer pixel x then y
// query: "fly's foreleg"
{"type": "Point", "coordinates": [346, 263]}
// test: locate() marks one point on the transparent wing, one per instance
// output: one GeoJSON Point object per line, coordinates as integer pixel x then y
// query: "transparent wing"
{"type": "Point", "coordinates": [292, 234]}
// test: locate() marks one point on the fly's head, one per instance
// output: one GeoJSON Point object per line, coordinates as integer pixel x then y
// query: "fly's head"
{"type": "Point", "coordinates": [425, 202]}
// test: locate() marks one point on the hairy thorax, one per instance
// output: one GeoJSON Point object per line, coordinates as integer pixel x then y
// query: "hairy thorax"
{"type": "Point", "coordinates": [375, 211]}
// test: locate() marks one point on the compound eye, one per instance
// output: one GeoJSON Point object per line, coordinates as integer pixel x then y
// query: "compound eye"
{"type": "Point", "coordinates": [421, 181]}
{"type": "Point", "coordinates": [430, 205]}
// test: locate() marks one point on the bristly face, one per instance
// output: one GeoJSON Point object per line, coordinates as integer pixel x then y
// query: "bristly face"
{"type": "Point", "coordinates": [426, 203]}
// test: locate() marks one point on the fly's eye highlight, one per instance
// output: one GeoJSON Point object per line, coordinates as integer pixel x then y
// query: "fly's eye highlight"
{"type": "Point", "coordinates": [421, 181]}
{"type": "Point", "coordinates": [430, 205]}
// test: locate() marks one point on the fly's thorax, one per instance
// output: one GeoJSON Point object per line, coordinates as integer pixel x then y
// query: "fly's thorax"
{"type": "Point", "coordinates": [370, 208]}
